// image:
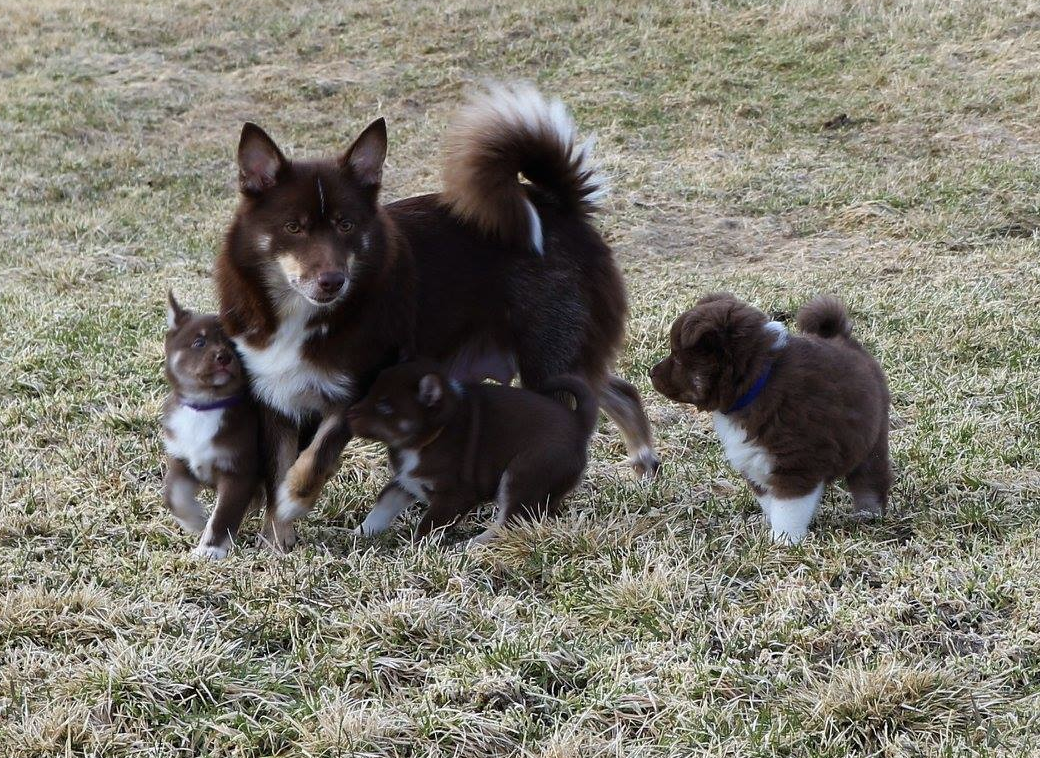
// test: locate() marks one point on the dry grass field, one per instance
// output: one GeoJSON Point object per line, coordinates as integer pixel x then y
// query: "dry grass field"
{"type": "Point", "coordinates": [650, 619]}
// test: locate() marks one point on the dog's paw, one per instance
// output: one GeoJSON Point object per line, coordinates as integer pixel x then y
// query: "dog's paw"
{"type": "Point", "coordinates": [786, 538]}
{"type": "Point", "coordinates": [211, 552]}
{"type": "Point", "coordinates": [278, 537]}
{"type": "Point", "coordinates": [192, 524]}
{"type": "Point", "coordinates": [645, 464]}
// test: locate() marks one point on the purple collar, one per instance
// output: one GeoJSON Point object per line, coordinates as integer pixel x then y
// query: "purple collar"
{"type": "Point", "coordinates": [756, 389]}
{"type": "Point", "coordinates": [216, 405]}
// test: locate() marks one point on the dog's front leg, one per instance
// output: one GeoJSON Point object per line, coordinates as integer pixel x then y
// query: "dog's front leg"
{"type": "Point", "coordinates": [302, 484]}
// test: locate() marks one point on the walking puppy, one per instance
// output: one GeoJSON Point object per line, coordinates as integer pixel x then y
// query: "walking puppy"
{"type": "Point", "coordinates": [793, 412]}
{"type": "Point", "coordinates": [211, 430]}
{"type": "Point", "coordinates": [454, 447]}
{"type": "Point", "coordinates": [321, 286]}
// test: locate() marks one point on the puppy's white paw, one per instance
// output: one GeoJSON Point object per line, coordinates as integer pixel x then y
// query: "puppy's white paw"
{"type": "Point", "coordinates": [211, 552]}
{"type": "Point", "coordinates": [786, 539]}
{"type": "Point", "coordinates": [645, 463]}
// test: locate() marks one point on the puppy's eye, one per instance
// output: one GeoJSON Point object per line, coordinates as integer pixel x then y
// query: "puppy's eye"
{"type": "Point", "coordinates": [344, 226]}
{"type": "Point", "coordinates": [383, 408]}
{"type": "Point", "coordinates": [199, 342]}
{"type": "Point", "coordinates": [293, 227]}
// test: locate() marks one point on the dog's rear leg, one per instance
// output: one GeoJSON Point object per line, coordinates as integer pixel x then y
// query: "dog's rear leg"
{"type": "Point", "coordinates": [869, 482]}
{"type": "Point", "coordinates": [620, 401]}
{"type": "Point", "coordinates": [281, 444]}
{"type": "Point", "coordinates": [299, 490]}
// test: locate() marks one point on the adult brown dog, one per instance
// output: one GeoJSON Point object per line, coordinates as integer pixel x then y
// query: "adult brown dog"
{"type": "Point", "coordinates": [321, 286]}
{"type": "Point", "coordinates": [793, 412]}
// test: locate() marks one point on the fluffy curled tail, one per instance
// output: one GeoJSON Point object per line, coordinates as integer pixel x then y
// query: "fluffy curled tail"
{"type": "Point", "coordinates": [585, 404]}
{"type": "Point", "coordinates": [824, 316]}
{"type": "Point", "coordinates": [502, 133]}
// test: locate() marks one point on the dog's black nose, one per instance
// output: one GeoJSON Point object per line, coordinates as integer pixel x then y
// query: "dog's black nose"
{"type": "Point", "coordinates": [223, 358]}
{"type": "Point", "coordinates": [331, 281]}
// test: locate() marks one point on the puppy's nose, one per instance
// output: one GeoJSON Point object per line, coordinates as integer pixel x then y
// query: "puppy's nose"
{"type": "Point", "coordinates": [331, 281]}
{"type": "Point", "coordinates": [223, 358]}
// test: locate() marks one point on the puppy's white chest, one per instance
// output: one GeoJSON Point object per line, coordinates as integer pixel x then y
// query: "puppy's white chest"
{"type": "Point", "coordinates": [284, 379]}
{"type": "Point", "coordinates": [753, 461]}
{"type": "Point", "coordinates": [189, 436]}
{"type": "Point", "coordinates": [407, 462]}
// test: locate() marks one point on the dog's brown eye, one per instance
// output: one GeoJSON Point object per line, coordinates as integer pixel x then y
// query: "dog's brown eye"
{"type": "Point", "coordinates": [344, 226]}
{"type": "Point", "coordinates": [293, 227]}
{"type": "Point", "coordinates": [199, 342]}
{"type": "Point", "coordinates": [384, 408]}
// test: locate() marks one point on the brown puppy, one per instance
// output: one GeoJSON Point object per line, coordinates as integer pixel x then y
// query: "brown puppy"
{"type": "Point", "coordinates": [793, 412]}
{"type": "Point", "coordinates": [455, 446]}
{"type": "Point", "coordinates": [211, 430]}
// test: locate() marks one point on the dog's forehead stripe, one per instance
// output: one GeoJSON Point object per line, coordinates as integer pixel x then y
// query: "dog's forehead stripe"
{"type": "Point", "coordinates": [321, 197]}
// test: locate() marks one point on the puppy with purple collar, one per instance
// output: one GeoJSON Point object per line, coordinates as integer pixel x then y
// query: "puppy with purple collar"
{"type": "Point", "coordinates": [794, 412]}
{"type": "Point", "coordinates": [211, 431]}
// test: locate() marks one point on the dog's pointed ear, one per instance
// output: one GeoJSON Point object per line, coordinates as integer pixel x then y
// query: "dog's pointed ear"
{"type": "Point", "coordinates": [364, 159]}
{"type": "Point", "coordinates": [175, 315]}
{"type": "Point", "coordinates": [431, 389]}
{"type": "Point", "coordinates": [259, 160]}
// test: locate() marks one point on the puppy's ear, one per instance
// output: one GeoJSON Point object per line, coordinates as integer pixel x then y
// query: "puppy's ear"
{"type": "Point", "coordinates": [364, 159]}
{"type": "Point", "coordinates": [175, 315]}
{"type": "Point", "coordinates": [259, 160]}
{"type": "Point", "coordinates": [430, 390]}
{"type": "Point", "coordinates": [703, 336]}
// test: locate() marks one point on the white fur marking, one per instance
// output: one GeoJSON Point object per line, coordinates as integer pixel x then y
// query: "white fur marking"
{"type": "Point", "coordinates": [388, 507]}
{"type": "Point", "coordinates": [789, 518]}
{"type": "Point", "coordinates": [753, 461]}
{"type": "Point", "coordinates": [263, 242]}
{"type": "Point", "coordinates": [781, 333]}
{"type": "Point", "coordinates": [536, 227]}
{"type": "Point", "coordinates": [409, 460]}
{"type": "Point", "coordinates": [283, 378]}
{"type": "Point", "coordinates": [211, 552]}
{"type": "Point", "coordinates": [191, 440]}
{"type": "Point", "coordinates": [321, 196]}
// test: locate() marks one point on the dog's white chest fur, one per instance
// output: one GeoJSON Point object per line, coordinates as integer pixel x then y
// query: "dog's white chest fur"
{"type": "Point", "coordinates": [190, 438]}
{"type": "Point", "coordinates": [753, 461]}
{"type": "Point", "coordinates": [284, 379]}
{"type": "Point", "coordinates": [407, 462]}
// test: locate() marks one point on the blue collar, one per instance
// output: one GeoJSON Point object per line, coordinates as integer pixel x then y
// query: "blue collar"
{"type": "Point", "coordinates": [756, 389]}
{"type": "Point", "coordinates": [216, 405]}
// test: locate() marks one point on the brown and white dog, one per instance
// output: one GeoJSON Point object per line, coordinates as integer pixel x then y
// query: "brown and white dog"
{"type": "Point", "coordinates": [211, 430]}
{"type": "Point", "coordinates": [321, 287]}
{"type": "Point", "coordinates": [456, 446]}
{"type": "Point", "coordinates": [793, 412]}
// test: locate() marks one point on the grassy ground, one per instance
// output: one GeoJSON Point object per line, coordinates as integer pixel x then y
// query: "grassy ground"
{"type": "Point", "coordinates": [649, 620]}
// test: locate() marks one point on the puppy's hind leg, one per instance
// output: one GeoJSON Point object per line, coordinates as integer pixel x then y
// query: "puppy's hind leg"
{"type": "Point", "coordinates": [234, 496]}
{"type": "Point", "coordinates": [180, 489]}
{"type": "Point", "coordinates": [870, 482]}
{"type": "Point", "coordinates": [621, 401]}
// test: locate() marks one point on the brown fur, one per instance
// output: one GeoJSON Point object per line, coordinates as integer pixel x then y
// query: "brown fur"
{"type": "Point", "coordinates": [425, 277]}
{"type": "Point", "coordinates": [823, 412]}
{"type": "Point", "coordinates": [456, 446]}
{"type": "Point", "coordinates": [203, 369]}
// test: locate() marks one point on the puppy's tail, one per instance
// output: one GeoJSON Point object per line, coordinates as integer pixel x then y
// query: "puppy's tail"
{"type": "Point", "coordinates": [585, 404]}
{"type": "Point", "coordinates": [824, 316]}
{"type": "Point", "coordinates": [508, 131]}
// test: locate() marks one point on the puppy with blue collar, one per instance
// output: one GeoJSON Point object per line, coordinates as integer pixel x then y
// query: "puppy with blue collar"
{"type": "Point", "coordinates": [794, 412]}
{"type": "Point", "coordinates": [211, 431]}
